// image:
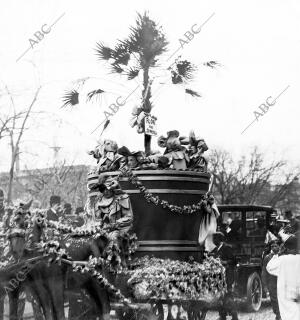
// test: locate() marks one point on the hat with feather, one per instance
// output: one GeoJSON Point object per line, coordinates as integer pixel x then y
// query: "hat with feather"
{"type": "Point", "coordinates": [125, 152]}
{"type": "Point", "coordinates": [197, 141]}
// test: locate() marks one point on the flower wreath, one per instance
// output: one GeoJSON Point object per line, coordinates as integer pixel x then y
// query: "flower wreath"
{"type": "Point", "coordinates": [133, 179]}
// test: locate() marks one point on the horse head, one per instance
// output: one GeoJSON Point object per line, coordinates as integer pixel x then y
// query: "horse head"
{"type": "Point", "coordinates": [19, 221]}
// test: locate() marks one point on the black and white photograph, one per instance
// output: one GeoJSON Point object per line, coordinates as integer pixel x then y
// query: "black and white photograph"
{"type": "Point", "coordinates": [149, 160]}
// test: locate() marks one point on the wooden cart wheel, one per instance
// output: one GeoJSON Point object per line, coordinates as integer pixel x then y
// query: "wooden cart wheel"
{"type": "Point", "coordinates": [254, 292]}
{"type": "Point", "coordinates": [156, 313]}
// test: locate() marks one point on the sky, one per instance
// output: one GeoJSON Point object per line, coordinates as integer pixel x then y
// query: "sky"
{"type": "Point", "coordinates": [256, 42]}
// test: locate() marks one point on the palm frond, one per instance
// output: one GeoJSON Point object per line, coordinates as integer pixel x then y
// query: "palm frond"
{"type": "Point", "coordinates": [123, 59]}
{"type": "Point", "coordinates": [192, 93]}
{"type": "Point", "coordinates": [107, 122]}
{"type": "Point", "coordinates": [103, 52]}
{"type": "Point", "coordinates": [116, 68]}
{"type": "Point", "coordinates": [94, 94]}
{"type": "Point", "coordinates": [121, 54]}
{"type": "Point", "coordinates": [185, 69]}
{"type": "Point", "coordinates": [212, 64]}
{"type": "Point", "coordinates": [132, 73]}
{"type": "Point", "coordinates": [70, 98]}
{"type": "Point", "coordinates": [147, 39]}
{"type": "Point", "coordinates": [176, 78]}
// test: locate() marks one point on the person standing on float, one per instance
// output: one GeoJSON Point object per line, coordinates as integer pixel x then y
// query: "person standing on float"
{"type": "Point", "coordinates": [113, 209]}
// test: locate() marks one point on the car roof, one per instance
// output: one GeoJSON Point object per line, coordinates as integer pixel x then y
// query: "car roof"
{"type": "Point", "coordinates": [236, 207]}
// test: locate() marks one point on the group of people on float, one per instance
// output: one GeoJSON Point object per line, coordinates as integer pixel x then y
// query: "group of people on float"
{"type": "Point", "coordinates": [181, 153]}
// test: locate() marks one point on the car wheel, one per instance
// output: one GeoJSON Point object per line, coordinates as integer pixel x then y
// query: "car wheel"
{"type": "Point", "coordinates": [254, 292]}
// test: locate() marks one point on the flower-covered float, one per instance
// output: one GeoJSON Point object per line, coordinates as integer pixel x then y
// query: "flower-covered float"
{"type": "Point", "coordinates": [171, 204]}
{"type": "Point", "coordinates": [140, 240]}
{"type": "Point", "coordinates": [145, 217]}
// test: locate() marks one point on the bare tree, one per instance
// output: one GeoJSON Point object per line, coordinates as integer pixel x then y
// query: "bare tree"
{"type": "Point", "coordinates": [250, 180]}
{"type": "Point", "coordinates": [6, 122]}
{"type": "Point", "coordinates": [65, 180]}
{"type": "Point", "coordinates": [15, 129]}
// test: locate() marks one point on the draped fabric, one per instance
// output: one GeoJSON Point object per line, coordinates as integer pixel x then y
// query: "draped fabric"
{"type": "Point", "coordinates": [208, 226]}
{"type": "Point", "coordinates": [287, 270]}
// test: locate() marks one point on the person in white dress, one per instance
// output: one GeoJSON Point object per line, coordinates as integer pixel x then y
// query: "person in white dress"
{"type": "Point", "coordinates": [287, 269]}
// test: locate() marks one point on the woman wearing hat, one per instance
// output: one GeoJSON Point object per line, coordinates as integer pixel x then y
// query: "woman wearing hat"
{"type": "Point", "coordinates": [196, 153]}
{"type": "Point", "coordinates": [175, 151]}
{"type": "Point", "coordinates": [113, 210]}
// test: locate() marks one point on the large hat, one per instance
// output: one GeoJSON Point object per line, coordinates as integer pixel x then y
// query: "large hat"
{"type": "Point", "coordinates": [173, 133]}
{"type": "Point", "coordinates": [124, 151]}
{"type": "Point", "coordinates": [197, 141]}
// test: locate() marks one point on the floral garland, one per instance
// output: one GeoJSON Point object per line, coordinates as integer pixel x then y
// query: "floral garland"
{"type": "Point", "coordinates": [91, 230]}
{"type": "Point", "coordinates": [90, 268]}
{"type": "Point", "coordinates": [133, 179]}
{"type": "Point", "coordinates": [53, 248]}
{"type": "Point", "coordinates": [156, 278]}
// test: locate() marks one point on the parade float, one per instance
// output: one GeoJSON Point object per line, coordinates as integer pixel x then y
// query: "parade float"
{"type": "Point", "coordinates": [146, 215]}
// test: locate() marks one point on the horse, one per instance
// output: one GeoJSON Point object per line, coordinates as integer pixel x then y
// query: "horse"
{"type": "Point", "coordinates": [13, 276]}
{"type": "Point", "coordinates": [77, 248]}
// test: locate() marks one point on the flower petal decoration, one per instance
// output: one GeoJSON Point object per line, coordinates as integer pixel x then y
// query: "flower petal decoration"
{"type": "Point", "coordinates": [70, 98]}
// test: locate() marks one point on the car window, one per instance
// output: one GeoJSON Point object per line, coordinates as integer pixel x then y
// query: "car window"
{"type": "Point", "coordinates": [232, 225]}
{"type": "Point", "coordinates": [256, 223]}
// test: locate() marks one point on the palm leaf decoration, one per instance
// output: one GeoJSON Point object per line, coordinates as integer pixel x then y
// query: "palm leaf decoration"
{"type": "Point", "coordinates": [107, 122]}
{"type": "Point", "coordinates": [121, 54]}
{"type": "Point", "coordinates": [147, 40]}
{"type": "Point", "coordinates": [132, 73]}
{"type": "Point", "coordinates": [176, 78]}
{"type": "Point", "coordinates": [70, 98]}
{"type": "Point", "coordinates": [192, 93]}
{"type": "Point", "coordinates": [183, 70]}
{"type": "Point", "coordinates": [212, 64]}
{"type": "Point", "coordinates": [115, 68]}
{"type": "Point", "coordinates": [103, 52]}
{"type": "Point", "coordinates": [94, 94]}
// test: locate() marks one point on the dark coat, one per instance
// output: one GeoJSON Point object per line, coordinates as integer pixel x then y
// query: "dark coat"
{"type": "Point", "coordinates": [235, 233]}
{"type": "Point", "coordinates": [268, 279]}
{"type": "Point", "coordinates": [225, 253]}
{"type": "Point", "coordinates": [51, 216]}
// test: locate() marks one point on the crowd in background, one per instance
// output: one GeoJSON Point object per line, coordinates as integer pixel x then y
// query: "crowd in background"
{"type": "Point", "coordinates": [280, 260]}
{"type": "Point", "coordinates": [57, 211]}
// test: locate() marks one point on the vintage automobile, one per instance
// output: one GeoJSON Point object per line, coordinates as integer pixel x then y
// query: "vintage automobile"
{"type": "Point", "coordinates": [245, 228]}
